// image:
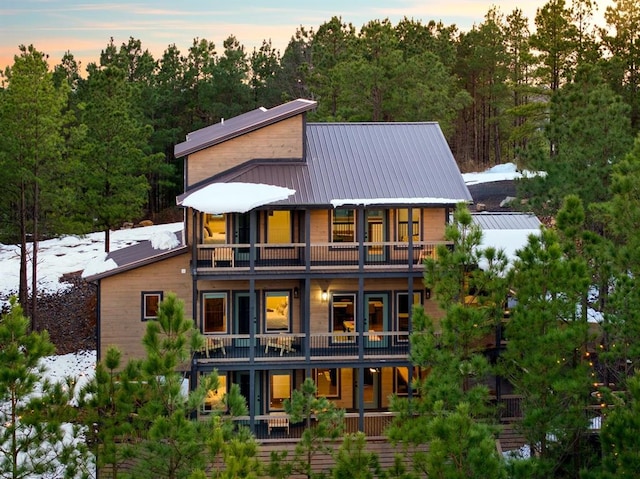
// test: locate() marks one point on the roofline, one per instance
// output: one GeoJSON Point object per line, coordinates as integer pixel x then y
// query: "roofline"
{"type": "Point", "coordinates": [137, 264]}
{"type": "Point", "coordinates": [187, 147]}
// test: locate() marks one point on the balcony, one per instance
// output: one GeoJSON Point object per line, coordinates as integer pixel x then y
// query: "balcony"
{"type": "Point", "coordinates": [242, 348]}
{"type": "Point", "coordinates": [225, 258]}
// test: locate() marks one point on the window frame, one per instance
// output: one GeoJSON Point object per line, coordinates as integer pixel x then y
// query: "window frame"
{"type": "Point", "coordinates": [316, 375]}
{"type": "Point", "coordinates": [333, 222]}
{"type": "Point", "coordinates": [215, 295]}
{"type": "Point", "coordinates": [265, 310]}
{"type": "Point", "coordinates": [414, 211]}
{"type": "Point", "coordinates": [416, 295]}
{"type": "Point", "coordinates": [270, 387]}
{"type": "Point", "coordinates": [143, 306]}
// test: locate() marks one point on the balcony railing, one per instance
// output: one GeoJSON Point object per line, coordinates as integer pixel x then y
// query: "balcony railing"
{"type": "Point", "coordinates": [290, 346]}
{"type": "Point", "coordinates": [277, 426]}
{"type": "Point", "coordinates": [212, 258]}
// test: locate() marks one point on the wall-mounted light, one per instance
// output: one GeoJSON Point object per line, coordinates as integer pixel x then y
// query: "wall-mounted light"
{"type": "Point", "coordinates": [427, 293]}
{"type": "Point", "coordinates": [324, 296]}
{"type": "Point", "coordinates": [296, 292]}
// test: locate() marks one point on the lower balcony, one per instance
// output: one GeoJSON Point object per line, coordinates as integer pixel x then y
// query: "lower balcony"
{"type": "Point", "coordinates": [296, 347]}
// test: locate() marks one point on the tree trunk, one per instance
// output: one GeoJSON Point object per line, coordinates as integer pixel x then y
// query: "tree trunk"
{"type": "Point", "coordinates": [34, 259]}
{"type": "Point", "coordinates": [107, 239]}
{"type": "Point", "coordinates": [23, 289]}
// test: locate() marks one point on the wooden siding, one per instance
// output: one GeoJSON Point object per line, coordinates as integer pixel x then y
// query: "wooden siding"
{"type": "Point", "coordinates": [280, 140]}
{"type": "Point", "coordinates": [121, 322]}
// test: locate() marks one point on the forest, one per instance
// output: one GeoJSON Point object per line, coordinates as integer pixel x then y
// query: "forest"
{"type": "Point", "coordinates": [88, 150]}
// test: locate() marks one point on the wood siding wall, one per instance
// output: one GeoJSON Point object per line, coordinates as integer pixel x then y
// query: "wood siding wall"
{"type": "Point", "coordinates": [280, 140]}
{"type": "Point", "coordinates": [121, 322]}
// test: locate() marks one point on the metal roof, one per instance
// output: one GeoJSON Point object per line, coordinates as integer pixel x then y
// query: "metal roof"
{"type": "Point", "coordinates": [137, 255]}
{"type": "Point", "coordinates": [395, 163]}
{"type": "Point", "coordinates": [239, 125]}
{"type": "Point", "coordinates": [507, 221]}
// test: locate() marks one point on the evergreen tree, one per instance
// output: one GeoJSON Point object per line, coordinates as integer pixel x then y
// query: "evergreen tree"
{"type": "Point", "coordinates": [545, 357]}
{"type": "Point", "coordinates": [31, 118]}
{"type": "Point", "coordinates": [37, 435]}
{"type": "Point", "coordinates": [112, 181]}
{"type": "Point", "coordinates": [353, 461]}
{"type": "Point", "coordinates": [323, 423]}
{"type": "Point", "coordinates": [450, 350]}
{"type": "Point", "coordinates": [173, 444]}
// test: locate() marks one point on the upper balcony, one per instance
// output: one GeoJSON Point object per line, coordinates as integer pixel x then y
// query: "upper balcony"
{"type": "Point", "coordinates": [226, 258]}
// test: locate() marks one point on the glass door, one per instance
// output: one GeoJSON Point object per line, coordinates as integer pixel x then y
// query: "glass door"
{"type": "Point", "coordinates": [375, 233]}
{"type": "Point", "coordinates": [242, 235]}
{"type": "Point", "coordinates": [242, 319]}
{"type": "Point", "coordinates": [370, 388]}
{"type": "Point", "coordinates": [376, 320]}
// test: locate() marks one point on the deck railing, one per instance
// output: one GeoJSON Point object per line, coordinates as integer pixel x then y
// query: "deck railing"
{"type": "Point", "coordinates": [212, 258]}
{"type": "Point", "coordinates": [294, 346]}
{"type": "Point", "coordinates": [277, 425]}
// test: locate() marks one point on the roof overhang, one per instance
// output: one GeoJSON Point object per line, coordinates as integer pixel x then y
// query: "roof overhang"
{"type": "Point", "coordinates": [235, 197]}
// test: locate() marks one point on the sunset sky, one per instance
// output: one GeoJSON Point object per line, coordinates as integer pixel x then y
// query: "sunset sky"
{"type": "Point", "coordinates": [84, 27]}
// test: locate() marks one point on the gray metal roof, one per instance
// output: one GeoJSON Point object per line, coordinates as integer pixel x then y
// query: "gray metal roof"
{"type": "Point", "coordinates": [395, 163]}
{"type": "Point", "coordinates": [137, 255]}
{"type": "Point", "coordinates": [239, 125]}
{"type": "Point", "coordinates": [507, 221]}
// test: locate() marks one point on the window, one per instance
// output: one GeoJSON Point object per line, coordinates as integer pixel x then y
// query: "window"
{"type": "Point", "coordinates": [402, 229]}
{"type": "Point", "coordinates": [279, 389]}
{"type": "Point", "coordinates": [343, 316]}
{"type": "Point", "coordinates": [401, 376]}
{"type": "Point", "coordinates": [150, 303]}
{"type": "Point", "coordinates": [279, 227]}
{"type": "Point", "coordinates": [277, 312]}
{"type": "Point", "coordinates": [214, 230]}
{"type": "Point", "coordinates": [214, 313]}
{"type": "Point", "coordinates": [403, 313]}
{"type": "Point", "coordinates": [327, 382]}
{"type": "Point", "coordinates": [214, 398]}
{"type": "Point", "coordinates": [343, 226]}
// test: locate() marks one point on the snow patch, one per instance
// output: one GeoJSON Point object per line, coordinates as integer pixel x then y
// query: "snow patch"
{"type": "Point", "coordinates": [164, 240]}
{"type": "Point", "coordinates": [237, 197]}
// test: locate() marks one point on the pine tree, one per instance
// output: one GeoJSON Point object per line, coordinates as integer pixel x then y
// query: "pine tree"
{"type": "Point", "coordinates": [323, 423]}
{"type": "Point", "coordinates": [450, 350]}
{"type": "Point", "coordinates": [173, 443]}
{"type": "Point", "coordinates": [38, 437]}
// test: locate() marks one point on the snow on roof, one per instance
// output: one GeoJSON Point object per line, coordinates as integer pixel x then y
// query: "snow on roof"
{"type": "Point", "coordinates": [503, 172]}
{"type": "Point", "coordinates": [336, 203]}
{"type": "Point", "coordinates": [218, 198]}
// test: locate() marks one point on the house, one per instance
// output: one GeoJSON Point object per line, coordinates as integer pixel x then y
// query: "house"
{"type": "Point", "coordinates": [301, 256]}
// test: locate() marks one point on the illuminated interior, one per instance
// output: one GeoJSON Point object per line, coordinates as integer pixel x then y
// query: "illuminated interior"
{"type": "Point", "coordinates": [279, 227]}
{"type": "Point", "coordinates": [214, 229]}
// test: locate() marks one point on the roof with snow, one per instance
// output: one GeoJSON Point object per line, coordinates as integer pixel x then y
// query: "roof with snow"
{"type": "Point", "coordinates": [358, 164]}
{"type": "Point", "coordinates": [507, 221]}
{"type": "Point", "coordinates": [163, 245]}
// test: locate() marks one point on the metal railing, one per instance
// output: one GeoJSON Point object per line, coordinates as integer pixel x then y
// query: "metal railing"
{"type": "Point", "coordinates": [277, 426]}
{"type": "Point", "coordinates": [213, 258]}
{"type": "Point", "coordinates": [293, 346]}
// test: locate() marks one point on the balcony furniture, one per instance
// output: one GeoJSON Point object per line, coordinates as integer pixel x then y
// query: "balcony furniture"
{"type": "Point", "coordinates": [277, 420]}
{"type": "Point", "coordinates": [212, 345]}
{"type": "Point", "coordinates": [349, 326]}
{"type": "Point", "coordinates": [373, 336]}
{"type": "Point", "coordinates": [278, 341]}
{"type": "Point", "coordinates": [223, 257]}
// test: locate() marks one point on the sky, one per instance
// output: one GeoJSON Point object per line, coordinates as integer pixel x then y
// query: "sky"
{"type": "Point", "coordinates": [84, 27]}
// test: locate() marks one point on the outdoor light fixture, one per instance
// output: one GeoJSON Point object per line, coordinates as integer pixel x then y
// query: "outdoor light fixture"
{"type": "Point", "coordinates": [296, 292]}
{"type": "Point", "coordinates": [324, 296]}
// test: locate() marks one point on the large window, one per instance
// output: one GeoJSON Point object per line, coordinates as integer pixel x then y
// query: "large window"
{"type": "Point", "coordinates": [214, 229]}
{"type": "Point", "coordinates": [402, 227]}
{"type": "Point", "coordinates": [150, 303]}
{"type": "Point", "coordinates": [343, 226]}
{"type": "Point", "coordinates": [279, 389]}
{"type": "Point", "coordinates": [403, 308]}
{"type": "Point", "coordinates": [279, 227]}
{"type": "Point", "coordinates": [214, 400]}
{"type": "Point", "coordinates": [214, 313]}
{"type": "Point", "coordinates": [327, 382]}
{"type": "Point", "coordinates": [343, 308]}
{"type": "Point", "coordinates": [277, 311]}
